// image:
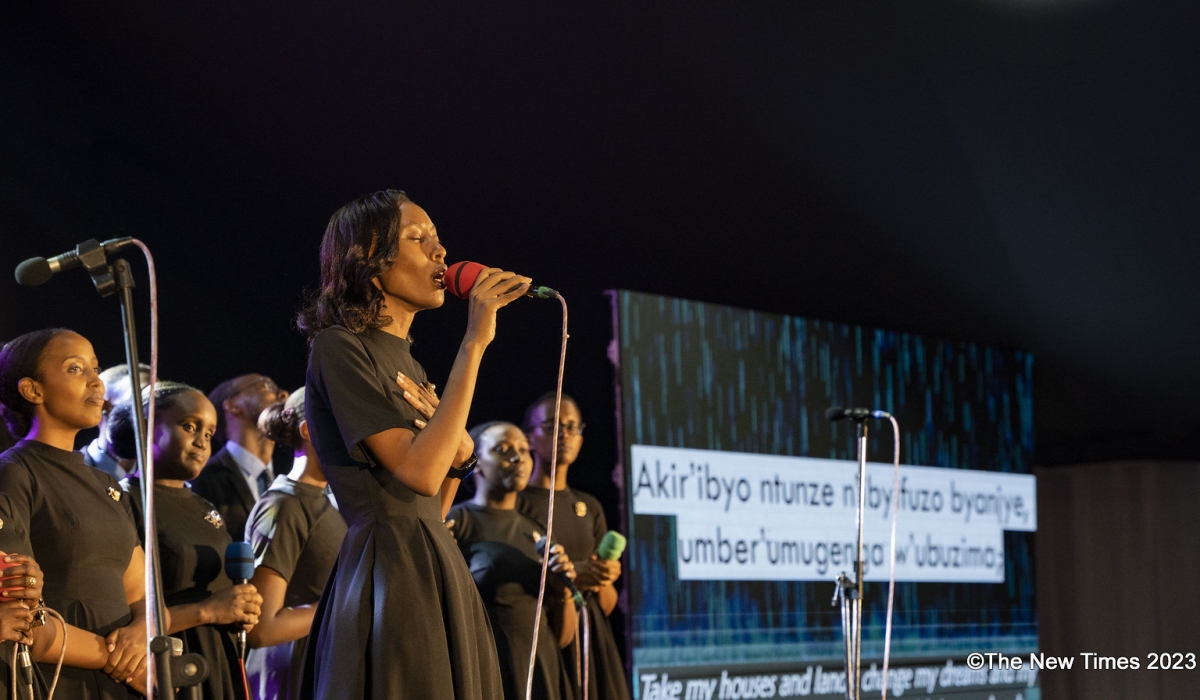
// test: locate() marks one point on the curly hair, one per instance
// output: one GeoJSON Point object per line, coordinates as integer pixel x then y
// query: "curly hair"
{"type": "Point", "coordinates": [361, 242]}
{"type": "Point", "coordinates": [21, 357]}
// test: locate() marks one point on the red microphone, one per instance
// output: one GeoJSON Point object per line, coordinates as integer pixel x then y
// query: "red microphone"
{"type": "Point", "coordinates": [460, 278]}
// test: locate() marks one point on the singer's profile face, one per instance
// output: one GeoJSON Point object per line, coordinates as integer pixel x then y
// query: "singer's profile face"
{"type": "Point", "coordinates": [68, 393]}
{"type": "Point", "coordinates": [504, 459]}
{"type": "Point", "coordinates": [183, 436]}
{"type": "Point", "coordinates": [541, 438]}
{"type": "Point", "coordinates": [415, 280]}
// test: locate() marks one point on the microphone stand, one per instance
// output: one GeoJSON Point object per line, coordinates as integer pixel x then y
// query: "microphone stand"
{"type": "Point", "coordinates": [851, 592]}
{"type": "Point", "coordinates": [118, 277]}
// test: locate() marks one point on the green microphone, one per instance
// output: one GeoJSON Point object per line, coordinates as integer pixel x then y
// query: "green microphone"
{"type": "Point", "coordinates": [612, 546]}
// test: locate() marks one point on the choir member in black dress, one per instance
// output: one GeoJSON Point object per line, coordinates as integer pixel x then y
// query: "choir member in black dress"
{"type": "Point", "coordinates": [21, 584]}
{"type": "Point", "coordinates": [79, 524]}
{"type": "Point", "coordinates": [579, 524]}
{"type": "Point", "coordinates": [240, 471]}
{"type": "Point", "coordinates": [296, 532]}
{"type": "Point", "coordinates": [400, 616]}
{"type": "Point", "coordinates": [206, 609]}
{"type": "Point", "coordinates": [500, 546]}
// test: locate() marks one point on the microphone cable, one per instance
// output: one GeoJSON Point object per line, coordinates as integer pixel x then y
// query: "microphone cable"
{"type": "Point", "coordinates": [587, 647]}
{"type": "Point", "coordinates": [62, 654]}
{"type": "Point", "coordinates": [887, 634]}
{"type": "Point", "coordinates": [245, 679]}
{"type": "Point", "coordinates": [537, 616]}
{"type": "Point", "coordinates": [156, 613]}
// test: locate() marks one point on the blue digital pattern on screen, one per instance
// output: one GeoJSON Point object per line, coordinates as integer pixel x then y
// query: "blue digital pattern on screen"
{"type": "Point", "coordinates": [709, 377]}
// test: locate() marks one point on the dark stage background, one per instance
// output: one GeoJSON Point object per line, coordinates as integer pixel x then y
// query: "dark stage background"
{"type": "Point", "coordinates": [1016, 173]}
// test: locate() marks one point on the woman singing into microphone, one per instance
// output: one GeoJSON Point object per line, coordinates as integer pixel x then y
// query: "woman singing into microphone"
{"type": "Point", "coordinates": [400, 616]}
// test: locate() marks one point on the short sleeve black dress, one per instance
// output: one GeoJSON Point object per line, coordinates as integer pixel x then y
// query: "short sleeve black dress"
{"type": "Point", "coordinates": [295, 531]}
{"type": "Point", "coordinates": [400, 616]}
{"type": "Point", "coordinates": [579, 525]}
{"type": "Point", "coordinates": [191, 551]}
{"type": "Point", "coordinates": [14, 539]}
{"type": "Point", "coordinates": [82, 534]}
{"type": "Point", "coordinates": [500, 547]}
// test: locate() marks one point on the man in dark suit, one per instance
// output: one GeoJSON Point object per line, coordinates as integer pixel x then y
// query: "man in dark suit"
{"type": "Point", "coordinates": [240, 471]}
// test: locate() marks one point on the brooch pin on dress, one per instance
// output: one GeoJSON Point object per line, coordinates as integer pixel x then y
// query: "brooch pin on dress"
{"type": "Point", "coordinates": [580, 508]}
{"type": "Point", "coordinates": [214, 519]}
{"type": "Point", "coordinates": [114, 494]}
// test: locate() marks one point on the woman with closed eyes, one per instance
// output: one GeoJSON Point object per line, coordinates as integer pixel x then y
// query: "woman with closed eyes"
{"type": "Point", "coordinates": [400, 616]}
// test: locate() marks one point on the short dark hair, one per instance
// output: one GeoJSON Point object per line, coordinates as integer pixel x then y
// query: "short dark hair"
{"type": "Point", "coordinates": [217, 396]}
{"type": "Point", "coordinates": [21, 357]}
{"type": "Point", "coordinates": [361, 242]}
{"type": "Point", "coordinates": [122, 441]}
{"type": "Point", "coordinates": [478, 431]}
{"type": "Point", "coordinates": [548, 397]}
{"type": "Point", "coordinates": [467, 489]}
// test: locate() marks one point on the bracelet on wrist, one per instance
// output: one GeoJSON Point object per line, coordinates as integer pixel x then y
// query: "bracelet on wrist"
{"type": "Point", "coordinates": [462, 470]}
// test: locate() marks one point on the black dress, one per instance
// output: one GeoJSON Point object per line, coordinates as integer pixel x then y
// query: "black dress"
{"type": "Point", "coordinates": [82, 534]}
{"type": "Point", "coordinates": [579, 525]}
{"type": "Point", "coordinates": [14, 539]}
{"type": "Point", "coordinates": [400, 616]}
{"type": "Point", "coordinates": [191, 551]}
{"type": "Point", "coordinates": [221, 483]}
{"type": "Point", "coordinates": [500, 547]}
{"type": "Point", "coordinates": [295, 531]}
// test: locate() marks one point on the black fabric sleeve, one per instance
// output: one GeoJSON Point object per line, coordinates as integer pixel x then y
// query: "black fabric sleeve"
{"type": "Point", "coordinates": [278, 530]}
{"type": "Point", "coordinates": [347, 378]}
{"type": "Point", "coordinates": [16, 484]}
{"type": "Point", "coordinates": [14, 533]}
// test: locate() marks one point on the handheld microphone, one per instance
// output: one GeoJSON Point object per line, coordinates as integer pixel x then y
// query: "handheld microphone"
{"type": "Point", "coordinates": [89, 254]}
{"type": "Point", "coordinates": [612, 546]}
{"type": "Point", "coordinates": [239, 567]}
{"type": "Point", "coordinates": [460, 278]}
{"type": "Point", "coordinates": [836, 413]}
{"type": "Point", "coordinates": [575, 594]}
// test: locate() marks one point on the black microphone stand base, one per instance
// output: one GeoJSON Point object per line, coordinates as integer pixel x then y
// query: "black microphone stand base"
{"type": "Point", "coordinates": [188, 670]}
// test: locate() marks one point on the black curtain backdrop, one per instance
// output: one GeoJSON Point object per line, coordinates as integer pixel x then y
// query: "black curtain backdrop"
{"type": "Point", "coordinates": [1117, 575]}
{"type": "Point", "coordinates": [1018, 173]}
